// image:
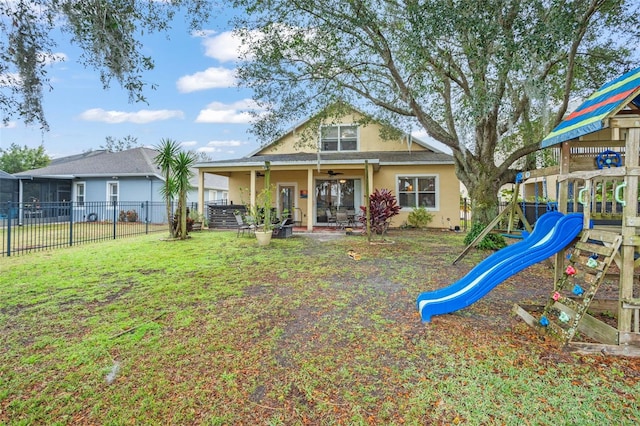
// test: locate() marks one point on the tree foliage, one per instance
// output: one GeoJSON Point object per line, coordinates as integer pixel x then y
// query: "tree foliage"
{"type": "Point", "coordinates": [107, 31]}
{"type": "Point", "coordinates": [182, 173]}
{"type": "Point", "coordinates": [487, 78]}
{"type": "Point", "coordinates": [112, 144]}
{"type": "Point", "coordinates": [167, 151]}
{"type": "Point", "coordinates": [17, 159]}
{"type": "Point", "coordinates": [176, 167]}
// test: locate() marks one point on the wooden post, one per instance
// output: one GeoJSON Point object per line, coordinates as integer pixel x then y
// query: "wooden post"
{"type": "Point", "coordinates": [563, 199]}
{"type": "Point", "coordinates": [310, 197]}
{"type": "Point", "coordinates": [630, 212]}
{"type": "Point", "coordinates": [366, 198]}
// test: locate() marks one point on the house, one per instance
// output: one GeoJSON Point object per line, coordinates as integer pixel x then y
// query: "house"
{"type": "Point", "coordinates": [97, 185]}
{"type": "Point", "coordinates": [8, 193]}
{"type": "Point", "coordinates": [315, 182]}
{"type": "Point", "coordinates": [216, 189]}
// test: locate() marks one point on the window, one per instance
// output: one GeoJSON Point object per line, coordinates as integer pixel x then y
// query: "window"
{"type": "Point", "coordinates": [418, 191]}
{"type": "Point", "coordinates": [112, 192]}
{"type": "Point", "coordinates": [339, 138]}
{"type": "Point", "coordinates": [79, 191]}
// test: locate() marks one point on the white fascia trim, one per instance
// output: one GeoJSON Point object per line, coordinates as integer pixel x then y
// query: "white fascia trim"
{"type": "Point", "coordinates": [416, 163]}
{"type": "Point", "coordinates": [290, 163]}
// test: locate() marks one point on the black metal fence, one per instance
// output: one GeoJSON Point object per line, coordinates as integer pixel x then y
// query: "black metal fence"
{"type": "Point", "coordinates": [36, 226]}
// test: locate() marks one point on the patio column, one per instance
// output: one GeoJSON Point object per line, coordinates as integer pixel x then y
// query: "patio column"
{"type": "Point", "coordinates": [201, 192]}
{"type": "Point", "coordinates": [310, 197]}
{"type": "Point", "coordinates": [252, 189]}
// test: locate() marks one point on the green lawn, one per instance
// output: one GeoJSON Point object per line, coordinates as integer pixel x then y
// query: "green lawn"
{"type": "Point", "coordinates": [218, 331]}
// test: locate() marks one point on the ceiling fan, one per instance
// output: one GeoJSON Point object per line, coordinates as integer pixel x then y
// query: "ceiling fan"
{"type": "Point", "coordinates": [258, 174]}
{"type": "Point", "coordinates": [332, 173]}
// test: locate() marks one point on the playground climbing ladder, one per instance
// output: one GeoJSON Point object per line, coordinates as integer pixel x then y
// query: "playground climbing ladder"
{"type": "Point", "coordinates": [588, 264]}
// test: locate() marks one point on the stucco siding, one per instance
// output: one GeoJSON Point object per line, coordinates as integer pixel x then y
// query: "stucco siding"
{"type": "Point", "coordinates": [368, 136]}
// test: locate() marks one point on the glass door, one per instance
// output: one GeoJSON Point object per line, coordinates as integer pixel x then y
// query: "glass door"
{"type": "Point", "coordinates": [336, 195]}
{"type": "Point", "coordinates": [286, 202]}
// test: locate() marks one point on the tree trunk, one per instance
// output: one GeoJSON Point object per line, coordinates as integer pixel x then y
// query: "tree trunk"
{"type": "Point", "coordinates": [484, 200]}
{"type": "Point", "coordinates": [183, 217]}
{"type": "Point", "coordinates": [170, 218]}
{"type": "Point", "coordinates": [483, 181]}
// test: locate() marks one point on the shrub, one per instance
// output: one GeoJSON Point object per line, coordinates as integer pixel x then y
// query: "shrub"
{"type": "Point", "coordinates": [420, 217]}
{"type": "Point", "coordinates": [382, 207]}
{"type": "Point", "coordinates": [132, 216]}
{"type": "Point", "coordinates": [489, 242]}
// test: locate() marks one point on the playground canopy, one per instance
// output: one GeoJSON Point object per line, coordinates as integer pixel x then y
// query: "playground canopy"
{"type": "Point", "coordinates": [592, 115]}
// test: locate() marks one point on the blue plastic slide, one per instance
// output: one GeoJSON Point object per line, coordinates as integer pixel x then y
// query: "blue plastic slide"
{"type": "Point", "coordinates": [553, 232]}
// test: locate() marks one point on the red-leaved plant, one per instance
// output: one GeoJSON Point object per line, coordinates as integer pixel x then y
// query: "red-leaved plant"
{"type": "Point", "coordinates": [382, 206]}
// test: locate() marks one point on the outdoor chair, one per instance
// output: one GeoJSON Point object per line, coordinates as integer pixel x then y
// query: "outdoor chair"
{"type": "Point", "coordinates": [351, 217]}
{"type": "Point", "coordinates": [242, 225]}
{"type": "Point", "coordinates": [331, 219]}
{"type": "Point", "coordinates": [342, 219]}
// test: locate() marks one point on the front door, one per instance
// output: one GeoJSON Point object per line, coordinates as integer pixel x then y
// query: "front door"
{"type": "Point", "coordinates": [286, 204]}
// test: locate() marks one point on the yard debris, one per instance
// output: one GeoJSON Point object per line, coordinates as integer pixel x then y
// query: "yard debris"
{"type": "Point", "coordinates": [129, 330]}
{"type": "Point", "coordinates": [113, 373]}
{"type": "Point", "coordinates": [353, 255]}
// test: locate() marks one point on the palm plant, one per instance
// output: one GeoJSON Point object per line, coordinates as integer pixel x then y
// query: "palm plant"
{"type": "Point", "coordinates": [166, 158]}
{"type": "Point", "coordinates": [182, 173]}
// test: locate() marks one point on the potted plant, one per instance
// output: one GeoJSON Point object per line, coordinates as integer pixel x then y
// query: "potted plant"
{"type": "Point", "coordinates": [262, 210]}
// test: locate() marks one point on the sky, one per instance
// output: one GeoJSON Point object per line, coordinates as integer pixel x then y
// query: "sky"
{"type": "Point", "coordinates": [196, 103]}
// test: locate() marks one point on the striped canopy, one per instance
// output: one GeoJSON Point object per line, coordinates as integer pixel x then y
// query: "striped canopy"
{"type": "Point", "coordinates": [590, 116]}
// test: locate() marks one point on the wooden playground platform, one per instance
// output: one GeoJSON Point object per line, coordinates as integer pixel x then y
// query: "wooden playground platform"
{"type": "Point", "coordinates": [598, 171]}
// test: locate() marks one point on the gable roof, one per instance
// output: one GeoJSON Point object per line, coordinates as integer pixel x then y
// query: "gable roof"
{"type": "Point", "coordinates": [306, 120]}
{"type": "Point", "coordinates": [132, 162]}
{"type": "Point", "coordinates": [592, 115]}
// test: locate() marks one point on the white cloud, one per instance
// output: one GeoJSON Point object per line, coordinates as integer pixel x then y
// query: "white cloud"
{"type": "Point", "coordinates": [224, 47]}
{"type": "Point", "coordinates": [211, 78]}
{"type": "Point", "coordinates": [188, 143]}
{"type": "Point", "coordinates": [218, 144]}
{"type": "Point", "coordinates": [235, 113]}
{"type": "Point", "coordinates": [140, 117]}
{"type": "Point", "coordinates": [9, 125]}
{"type": "Point", "coordinates": [213, 150]}
{"type": "Point", "coordinates": [203, 33]}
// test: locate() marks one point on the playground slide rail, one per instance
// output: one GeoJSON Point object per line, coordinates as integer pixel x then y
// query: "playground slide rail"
{"type": "Point", "coordinates": [549, 237]}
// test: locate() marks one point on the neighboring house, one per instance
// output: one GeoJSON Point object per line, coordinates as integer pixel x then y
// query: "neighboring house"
{"type": "Point", "coordinates": [216, 189]}
{"type": "Point", "coordinates": [315, 183]}
{"type": "Point", "coordinates": [8, 192]}
{"type": "Point", "coordinates": [117, 180]}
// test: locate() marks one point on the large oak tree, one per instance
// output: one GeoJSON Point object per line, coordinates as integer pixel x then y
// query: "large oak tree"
{"type": "Point", "coordinates": [487, 78]}
{"type": "Point", "coordinates": [108, 32]}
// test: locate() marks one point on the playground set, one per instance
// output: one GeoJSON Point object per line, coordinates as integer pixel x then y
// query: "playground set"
{"type": "Point", "coordinates": [595, 226]}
